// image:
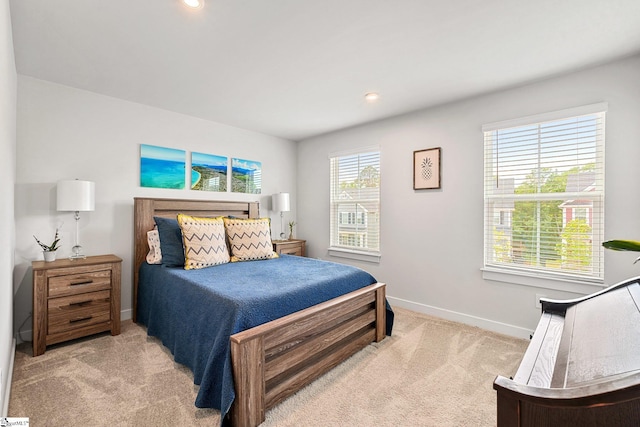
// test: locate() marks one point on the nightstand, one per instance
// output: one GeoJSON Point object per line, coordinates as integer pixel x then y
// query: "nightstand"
{"type": "Point", "coordinates": [75, 298]}
{"type": "Point", "coordinates": [290, 247]}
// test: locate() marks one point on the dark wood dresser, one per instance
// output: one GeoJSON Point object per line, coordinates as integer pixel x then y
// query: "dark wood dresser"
{"type": "Point", "coordinates": [582, 367]}
{"type": "Point", "coordinates": [75, 298]}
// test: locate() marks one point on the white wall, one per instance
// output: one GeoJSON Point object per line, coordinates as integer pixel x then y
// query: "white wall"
{"type": "Point", "coordinates": [432, 241]}
{"type": "Point", "coordinates": [66, 133]}
{"type": "Point", "coordinates": [7, 180]}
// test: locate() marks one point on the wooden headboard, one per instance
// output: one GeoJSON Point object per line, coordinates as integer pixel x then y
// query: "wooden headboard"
{"type": "Point", "coordinates": [146, 208]}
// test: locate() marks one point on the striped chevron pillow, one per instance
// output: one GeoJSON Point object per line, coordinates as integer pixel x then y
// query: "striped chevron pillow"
{"type": "Point", "coordinates": [249, 239]}
{"type": "Point", "coordinates": [204, 242]}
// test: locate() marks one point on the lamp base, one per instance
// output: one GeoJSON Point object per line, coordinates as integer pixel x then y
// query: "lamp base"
{"type": "Point", "coordinates": [77, 253]}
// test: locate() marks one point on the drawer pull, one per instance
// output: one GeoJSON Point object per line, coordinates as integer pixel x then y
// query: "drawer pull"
{"type": "Point", "coordinates": [80, 319]}
{"type": "Point", "coordinates": [84, 282]}
{"type": "Point", "coordinates": [79, 304]}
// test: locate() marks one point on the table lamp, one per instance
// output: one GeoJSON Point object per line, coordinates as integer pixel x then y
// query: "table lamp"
{"type": "Point", "coordinates": [280, 203]}
{"type": "Point", "coordinates": [76, 196]}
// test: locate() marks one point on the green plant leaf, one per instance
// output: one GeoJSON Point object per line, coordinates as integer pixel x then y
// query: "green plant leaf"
{"type": "Point", "coordinates": [622, 245]}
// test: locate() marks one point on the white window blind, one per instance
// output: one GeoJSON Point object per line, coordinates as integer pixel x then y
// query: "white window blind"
{"type": "Point", "coordinates": [544, 194]}
{"type": "Point", "coordinates": [355, 202]}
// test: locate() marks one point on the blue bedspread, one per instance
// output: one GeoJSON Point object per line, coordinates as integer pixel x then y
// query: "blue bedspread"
{"type": "Point", "coordinates": [194, 312]}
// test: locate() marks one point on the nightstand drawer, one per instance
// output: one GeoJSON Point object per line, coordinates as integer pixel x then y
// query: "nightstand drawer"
{"type": "Point", "coordinates": [292, 251]}
{"type": "Point", "coordinates": [73, 284]}
{"type": "Point", "coordinates": [290, 247]}
{"type": "Point", "coordinates": [78, 310]}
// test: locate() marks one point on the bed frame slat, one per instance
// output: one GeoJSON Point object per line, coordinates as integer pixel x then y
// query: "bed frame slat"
{"type": "Point", "coordinates": [292, 357]}
{"type": "Point", "coordinates": [277, 345]}
{"type": "Point", "coordinates": [326, 361]}
{"type": "Point", "coordinates": [315, 323]}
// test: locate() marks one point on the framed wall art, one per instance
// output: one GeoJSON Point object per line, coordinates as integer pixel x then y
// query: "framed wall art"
{"type": "Point", "coordinates": [209, 172]}
{"type": "Point", "coordinates": [246, 176]}
{"type": "Point", "coordinates": [426, 168]}
{"type": "Point", "coordinates": [162, 167]}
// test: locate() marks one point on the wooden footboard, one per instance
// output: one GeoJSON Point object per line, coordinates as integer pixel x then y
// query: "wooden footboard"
{"type": "Point", "coordinates": [274, 360]}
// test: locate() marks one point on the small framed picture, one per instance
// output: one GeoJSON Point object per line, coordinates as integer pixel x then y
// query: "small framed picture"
{"type": "Point", "coordinates": [426, 168]}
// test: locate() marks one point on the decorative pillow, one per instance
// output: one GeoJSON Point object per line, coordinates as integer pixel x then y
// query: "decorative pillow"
{"type": "Point", "coordinates": [204, 241]}
{"type": "Point", "coordinates": [170, 241]}
{"type": "Point", "coordinates": [155, 255]}
{"type": "Point", "coordinates": [249, 239]}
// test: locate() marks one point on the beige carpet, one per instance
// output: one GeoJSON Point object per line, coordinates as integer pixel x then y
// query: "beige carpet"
{"type": "Point", "coordinates": [431, 372]}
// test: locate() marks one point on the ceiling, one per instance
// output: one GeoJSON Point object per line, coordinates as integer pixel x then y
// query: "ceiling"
{"type": "Point", "coordinates": [300, 68]}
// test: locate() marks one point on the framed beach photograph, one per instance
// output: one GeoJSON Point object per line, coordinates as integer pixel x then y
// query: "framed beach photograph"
{"type": "Point", "coordinates": [426, 169]}
{"type": "Point", "coordinates": [246, 176]}
{"type": "Point", "coordinates": [162, 167]}
{"type": "Point", "coordinates": [209, 172]}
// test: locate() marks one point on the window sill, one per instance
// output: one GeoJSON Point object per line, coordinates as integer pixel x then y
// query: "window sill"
{"type": "Point", "coordinates": [532, 279]}
{"type": "Point", "coordinates": [355, 255]}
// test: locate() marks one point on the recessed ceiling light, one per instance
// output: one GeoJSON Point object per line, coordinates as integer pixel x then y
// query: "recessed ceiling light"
{"type": "Point", "coordinates": [371, 96]}
{"type": "Point", "coordinates": [194, 4]}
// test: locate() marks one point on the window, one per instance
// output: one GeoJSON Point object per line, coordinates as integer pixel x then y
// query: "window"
{"type": "Point", "coordinates": [544, 193]}
{"type": "Point", "coordinates": [344, 218]}
{"type": "Point", "coordinates": [352, 239]}
{"type": "Point", "coordinates": [350, 218]}
{"type": "Point", "coordinates": [355, 204]}
{"type": "Point", "coordinates": [580, 213]}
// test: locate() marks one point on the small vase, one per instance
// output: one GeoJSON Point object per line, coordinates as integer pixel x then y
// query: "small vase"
{"type": "Point", "coordinates": [49, 256]}
{"type": "Point", "coordinates": [291, 235]}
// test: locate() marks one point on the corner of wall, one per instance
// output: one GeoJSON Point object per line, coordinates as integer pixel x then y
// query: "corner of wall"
{"type": "Point", "coordinates": [8, 111]}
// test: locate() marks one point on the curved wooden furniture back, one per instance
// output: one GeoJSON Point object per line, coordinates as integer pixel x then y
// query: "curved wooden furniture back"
{"type": "Point", "coordinates": [582, 366]}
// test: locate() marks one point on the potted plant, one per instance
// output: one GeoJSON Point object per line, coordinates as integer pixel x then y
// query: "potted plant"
{"type": "Point", "coordinates": [49, 251]}
{"type": "Point", "coordinates": [291, 224]}
{"type": "Point", "coordinates": [623, 245]}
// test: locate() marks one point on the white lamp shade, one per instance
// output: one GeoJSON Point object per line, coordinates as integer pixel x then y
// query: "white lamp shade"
{"type": "Point", "coordinates": [280, 202]}
{"type": "Point", "coordinates": [76, 195]}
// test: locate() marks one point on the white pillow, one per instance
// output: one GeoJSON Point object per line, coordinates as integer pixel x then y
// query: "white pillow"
{"type": "Point", "coordinates": [155, 254]}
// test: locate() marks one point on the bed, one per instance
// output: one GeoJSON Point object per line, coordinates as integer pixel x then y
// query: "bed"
{"type": "Point", "coordinates": [265, 357]}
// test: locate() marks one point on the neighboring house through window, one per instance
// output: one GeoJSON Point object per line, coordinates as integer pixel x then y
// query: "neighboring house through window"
{"type": "Point", "coordinates": [544, 193]}
{"type": "Point", "coordinates": [355, 204]}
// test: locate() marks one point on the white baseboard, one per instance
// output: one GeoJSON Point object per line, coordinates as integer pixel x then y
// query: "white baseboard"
{"type": "Point", "coordinates": [7, 386]}
{"type": "Point", "coordinates": [491, 325]}
{"type": "Point", "coordinates": [24, 336]}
